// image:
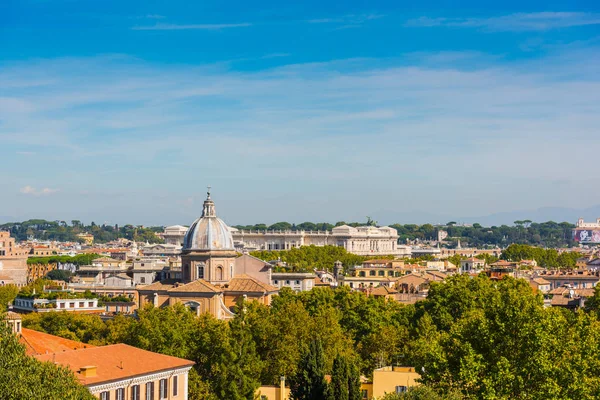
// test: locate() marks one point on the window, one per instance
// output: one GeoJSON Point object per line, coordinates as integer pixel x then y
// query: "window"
{"type": "Point", "coordinates": [200, 272]}
{"type": "Point", "coordinates": [163, 391]}
{"type": "Point", "coordinates": [372, 273]}
{"type": "Point", "coordinates": [71, 305]}
{"type": "Point", "coordinates": [81, 304]}
{"type": "Point", "coordinates": [62, 305]}
{"type": "Point", "coordinates": [263, 397]}
{"type": "Point", "coordinates": [390, 273]}
{"type": "Point", "coordinates": [219, 273]}
{"type": "Point", "coordinates": [105, 396]}
{"type": "Point", "coordinates": [120, 394]}
{"type": "Point", "coordinates": [135, 392]}
{"type": "Point", "coordinates": [91, 304]}
{"type": "Point", "coordinates": [287, 282]}
{"type": "Point", "coordinates": [400, 389]}
{"type": "Point", "coordinates": [297, 282]}
{"type": "Point", "coordinates": [175, 385]}
{"type": "Point", "coordinates": [381, 273]}
{"type": "Point", "coordinates": [361, 273]}
{"type": "Point", "coordinates": [276, 282]}
{"type": "Point", "coordinates": [150, 391]}
{"type": "Point", "coordinates": [364, 394]}
{"type": "Point", "coordinates": [142, 280]}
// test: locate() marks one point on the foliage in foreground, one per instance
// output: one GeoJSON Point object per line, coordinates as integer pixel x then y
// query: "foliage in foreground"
{"type": "Point", "coordinates": [24, 377]}
{"type": "Point", "coordinates": [473, 337]}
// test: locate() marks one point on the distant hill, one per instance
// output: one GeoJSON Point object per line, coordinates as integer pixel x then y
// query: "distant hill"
{"type": "Point", "coordinates": [556, 214]}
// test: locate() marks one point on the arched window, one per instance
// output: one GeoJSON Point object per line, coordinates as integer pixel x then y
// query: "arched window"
{"type": "Point", "coordinates": [200, 274]}
{"type": "Point", "coordinates": [219, 271]}
{"type": "Point", "coordinates": [194, 306]}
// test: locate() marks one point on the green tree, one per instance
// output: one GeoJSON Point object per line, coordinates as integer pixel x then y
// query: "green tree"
{"type": "Point", "coordinates": [7, 294]}
{"type": "Point", "coordinates": [422, 392]}
{"type": "Point", "coordinates": [338, 387]}
{"type": "Point", "coordinates": [59, 275]}
{"type": "Point", "coordinates": [345, 380]}
{"type": "Point", "coordinates": [23, 377]}
{"type": "Point", "coordinates": [309, 382]}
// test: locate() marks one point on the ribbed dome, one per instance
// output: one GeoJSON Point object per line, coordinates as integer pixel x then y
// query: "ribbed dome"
{"type": "Point", "coordinates": [208, 232]}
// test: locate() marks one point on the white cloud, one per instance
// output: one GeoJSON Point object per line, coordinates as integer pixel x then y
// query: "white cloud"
{"type": "Point", "coordinates": [29, 190]}
{"type": "Point", "coordinates": [422, 122]}
{"type": "Point", "coordinates": [178, 27]}
{"type": "Point", "coordinates": [347, 20]}
{"type": "Point", "coordinates": [538, 21]}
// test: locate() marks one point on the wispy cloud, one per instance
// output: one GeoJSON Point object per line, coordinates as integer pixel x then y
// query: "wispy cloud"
{"type": "Point", "coordinates": [179, 27]}
{"type": "Point", "coordinates": [29, 190]}
{"type": "Point", "coordinates": [347, 21]}
{"type": "Point", "coordinates": [539, 21]}
{"type": "Point", "coordinates": [154, 16]}
{"type": "Point", "coordinates": [411, 117]}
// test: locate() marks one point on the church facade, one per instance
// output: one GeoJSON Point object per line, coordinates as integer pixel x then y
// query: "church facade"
{"type": "Point", "coordinates": [213, 278]}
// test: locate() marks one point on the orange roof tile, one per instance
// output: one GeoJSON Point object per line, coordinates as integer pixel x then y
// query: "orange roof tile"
{"type": "Point", "coordinates": [41, 343]}
{"type": "Point", "coordinates": [246, 283]}
{"type": "Point", "coordinates": [383, 291]}
{"type": "Point", "coordinates": [197, 286]}
{"type": "Point", "coordinates": [115, 362]}
{"type": "Point", "coordinates": [161, 285]}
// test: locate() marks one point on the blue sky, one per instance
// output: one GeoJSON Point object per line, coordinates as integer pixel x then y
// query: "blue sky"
{"type": "Point", "coordinates": [123, 111]}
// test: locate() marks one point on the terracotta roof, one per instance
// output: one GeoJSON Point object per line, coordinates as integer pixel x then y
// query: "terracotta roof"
{"type": "Point", "coordinates": [437, 274]}
{"type": "Point", "coordinates": [41, 343]}
{"type": "Point", "coordinates": [411, 279]}
{"type": "Point", "coordinates": [246, 283]}
{"type": "Point", "coordinates": [162, 285]}
{"type": "Point", "coordinates": [502, 263]}
{"type": "Point", "coordinates": [383, 291]}
{"type": "Point", "coordinates": [115, 362]}
{"type": "Point", "coordinates": [197, 286]}
{"type": "Point", "coordinates": [564, 301]}
{"type": "Point", "coordinates": [11, 315]}
{"type": "Point", "coordinates": [541, 281]}
{"type": "Point", "coordinates": [571, 276]}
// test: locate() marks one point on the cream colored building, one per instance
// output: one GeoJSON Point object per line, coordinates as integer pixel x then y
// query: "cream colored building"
{"type": "Point", "coordinates": [361, 240]}
{"type": "Point", "coordinates": [13, 261]}
{"type": "Point", "coordinates": [174, 234]}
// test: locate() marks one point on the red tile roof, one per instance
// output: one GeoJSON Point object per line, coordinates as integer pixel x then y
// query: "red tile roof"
{"type": "Point", "coordinates": [37, 343]}
{"type": "Point", "coordinates": [115, 362]}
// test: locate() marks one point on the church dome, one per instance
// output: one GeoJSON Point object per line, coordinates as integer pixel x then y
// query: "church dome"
{"type": "Point", "coordinates": [208, 232]}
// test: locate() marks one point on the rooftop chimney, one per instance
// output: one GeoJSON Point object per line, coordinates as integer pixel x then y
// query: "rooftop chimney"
{"type": "Point", "coordinates": [88, 371]}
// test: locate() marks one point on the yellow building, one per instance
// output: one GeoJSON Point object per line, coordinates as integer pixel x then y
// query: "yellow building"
{"type": "Point", "coordinates": [389, 380]}
{"type": "Point", "coordinates": [87, 238]}
{"type": "Point", "coordinates": [385, 380]}
{"type": "Point", "coordinates": [273, 392]}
